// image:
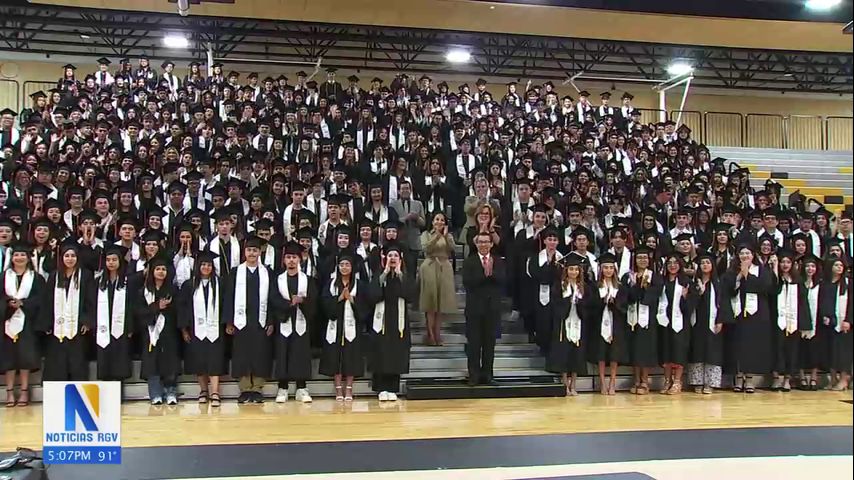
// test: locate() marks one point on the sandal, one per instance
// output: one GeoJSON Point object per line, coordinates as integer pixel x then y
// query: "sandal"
{"type": "Point", "coordinates": [643, 389]}
{"type": "Point", "coordinates": [698, 390]}
{"type": "Point", "coordinates": [339, 397]}
{"type": "Point", "coordinates": [348, 397]}
{"type": "Point", "coordinates": [738, 385]}
{"type": "Point", "coordinates": [707, 390]}
{"type": "Point", "coordinates": [666, 388]}
{"type": "Point", "coordinates": [634, 388]}
{"type": "Point", "coordinates": [215, 400]}
{"type": "Point", "coordinates": [10, 397]}
{"type": "Point", "coordinates": [612, 388]}
{"type": "Point", "coordinates": [24, 397]}
{"type": "Point", "coordinates": [203, 397]}
{"type": "Point", "coordinates": [748, 385]}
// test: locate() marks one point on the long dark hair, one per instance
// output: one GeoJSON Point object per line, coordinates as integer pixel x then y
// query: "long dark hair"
{"type": "Point", "coordinates": [843, 279]}
{"type": "Point", "coordinates": [61, 280]}
{"type": "Point", "coordinates": [197, 275]}
{"type": "Point", "coordinates": [121, 274]}
{"type": "Point", "coordinates": [149, 274]}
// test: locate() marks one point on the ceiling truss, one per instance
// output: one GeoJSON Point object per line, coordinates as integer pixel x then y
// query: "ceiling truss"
{"type": "Point", "coordinates": [90, 32]}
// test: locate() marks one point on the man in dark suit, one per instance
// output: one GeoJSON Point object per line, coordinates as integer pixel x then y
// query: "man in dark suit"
{"type": "Point", "coordinates": [484, 278]}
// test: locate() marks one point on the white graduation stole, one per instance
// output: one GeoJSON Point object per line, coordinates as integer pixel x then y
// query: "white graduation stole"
{"type": "Point", "coordinates": [66, 311]}
{"type": "Point", "coordinates": [545, 289]}
{"type": "Point", "coordinates": [349, 317]}
{"type": "Point", "coordinates": [812, 301]}
{"type": "Point", "coordinates": [638, 313]}
{"type": "Point", "coordinates": [625, 261]}
{"type": "Point", "coordinates": [713, 308]}
{"type": "Point", "coordinates": [572, 322]}
{"type": "Point", "coordinates": [240, 296]}
{"type": "Point", "coordinates": [270, 257]}
{"type": "Point", "coordinates": [15, 324]}
{"type": "Point", "coordinates": [606, 331]}
{"type": "Point", "coordinates": [287, 327]}
{"type": "Point", "coordinates": [110, 325]}
{"type": "Point", "coordinates": [751, 300]}
{"type": "Point", "coordinates": [787, 308]}
{"type": "Point", "coordinates": [675, 310]}
{"type": "Point", "coordinates": [379, 317]}
{"type": "Point", "coordinates": [206, 321]}
{"type": "Point", "coordinates": [155, 330]}
{"type": "Point", "coordinates": [841, 311]}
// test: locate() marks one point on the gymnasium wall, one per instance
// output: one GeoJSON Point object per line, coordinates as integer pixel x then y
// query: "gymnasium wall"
{"type": "Point", "coordinates": [718, 117]}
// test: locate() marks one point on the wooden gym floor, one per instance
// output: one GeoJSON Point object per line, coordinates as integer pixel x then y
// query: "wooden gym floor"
{"type": "Point", "coordinates": [416, 428]}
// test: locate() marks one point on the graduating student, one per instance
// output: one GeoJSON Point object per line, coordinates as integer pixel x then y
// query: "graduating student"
{"type": "Point", "coordinates": [20, 302]}
{"type": "Point", "coordinates": [252, 287]}
{"type": "Point", "coordinates": [835, 311]}
{"type": "Point", "coordinates": [342, 353]}
{"type": "Point", "coordinates": [391, 340]}
{"type": "Point", "coordinates": [745, 289]}
{"type": "Point", "coordinates": [526, 244]}
{"type": "Point", "coordinates": [813, 352]}
{"type": "Point", "coordinates": [224, 244]}
{"type": "Point", "coordinates": [484, 277]}
{"type": "Point", "coordinates": [790, 313]}
{"type": "Point", "coordinates": [203, 304]}
{"type": "Point", "coordinates": [570, 325]}
{"type": "Point", "coordinates": [157, 323]}
{"type": "Point", "coordinates": [295, 299]}
{"type": "Point", "coordinates": [607, 343]}
{"type": "Point", "coordinates": [675, 306]}
{"type": "Point", "coordinates": [643, 287]}
{"type": "Point", "coordinates": [545, 272]}
{"type": "Point", "coordinates": [66, 316]}
{"type": "Point", "coordinates": [114, 321]}
{"type": "Point", "coordinates": [706, 353]}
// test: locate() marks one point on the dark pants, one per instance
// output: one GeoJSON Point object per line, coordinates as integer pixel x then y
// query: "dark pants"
{"type": "Point", "coordinates": [480, 348]}
{"type": "Point", "coordinates": [385, 382]}
{"type": "Point", "coordinates": [284, 384]}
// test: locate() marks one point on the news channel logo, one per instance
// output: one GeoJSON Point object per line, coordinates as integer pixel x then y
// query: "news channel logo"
{"type": "Point", "coordinates": [82, 422]}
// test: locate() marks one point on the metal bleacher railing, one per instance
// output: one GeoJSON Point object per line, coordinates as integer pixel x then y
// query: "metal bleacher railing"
{"type": "Point", "coordinates": [720, 129]}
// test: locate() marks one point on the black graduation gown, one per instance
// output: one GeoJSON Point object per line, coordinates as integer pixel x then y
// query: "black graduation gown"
{"type": "Point", "coordinates": [749, 348]}
{"type": "Point", "coordinates": [114, 361]}
{"type": "Point", "coordinates": [643, 342]}
{"type": "Point", "coordinates": [523, 289]}
{"type": "Point", "coordinates": [389, 353]}
{"type": "Point", "coordinates": [164, 358]}
{"type": "Point", "coordinates": [22, 353]}
{"type": "Point", "coordinates": [786, 346]}
{"type": "Point", "coordinates": [706, 345]}
{"type": "Point", "coordinates": [546, 275]}
{"type": "Point", "coordinates": [66, 360]}
{"type": "Point", "coordinates": [673, 346]}
{"type": "Point", "coordinates": [342, 356]}
{"type": "Point", "coordinates": [813, 351]}
{"type": "Point", "coordinates": [293, 353]}
{"type": "Point", "coordinates": [204, 357]}
{"type": "Point", "coordinates": [563, 355]}
{"type": "Point", "coordinates": [598, 350]}
{"type": "Point", "coordinates": [252, 352]}
{"type": "Point", "coordinates": [838, 345]}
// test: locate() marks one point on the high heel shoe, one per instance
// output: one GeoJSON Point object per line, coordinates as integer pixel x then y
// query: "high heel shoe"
{"type": "Point", "coordinates": [10, 397]}
{"type": "Point", "coordinates": [667, 384]}
{"type": "Point", "coordinates": [348, 395]}
{"type": "Point", "coordinates": [748, 385]}
{"type": "Point", "coordinates": [612, 388]}
{"type": "Point", "coordinates": [813, 385]}
{"type": "Point", "coordinates": [24, 397]}
{"type": "Point", "coordinates": [339, 396]}
{"type": "Point", "coordinates": [738, 385]}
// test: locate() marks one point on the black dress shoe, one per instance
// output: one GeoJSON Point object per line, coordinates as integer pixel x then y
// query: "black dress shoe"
{"type": "Point", "coordinates": [472, 382]}
{"type": "Point", "coordinates": [243, 397]}
{"type": "Point", "coordinates": [257, 397]}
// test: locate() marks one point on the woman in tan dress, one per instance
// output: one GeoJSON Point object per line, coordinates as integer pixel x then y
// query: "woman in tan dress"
{"type": "Point", "coordinates": [438, 295]}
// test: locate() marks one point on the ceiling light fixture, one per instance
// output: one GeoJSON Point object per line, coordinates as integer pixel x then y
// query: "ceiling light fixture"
{"type": "Point", "coordinates": [175, 41]}
{"type": "Point", "coordinates": [677, 69]}
{"type": "Point", "coordinates": [822, 4]}
{"type": "Point", "coordinates": [458, 56]}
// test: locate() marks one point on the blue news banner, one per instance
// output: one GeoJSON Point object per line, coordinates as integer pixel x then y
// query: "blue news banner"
{"type": "Point", "coordinates": [82, 423]}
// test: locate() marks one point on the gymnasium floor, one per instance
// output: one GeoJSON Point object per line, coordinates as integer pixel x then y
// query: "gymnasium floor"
{"type": "Point", "coordinates": [625, 437]}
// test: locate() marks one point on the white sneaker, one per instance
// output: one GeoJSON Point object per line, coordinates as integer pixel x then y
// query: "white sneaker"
{"type": "Point", "coordinates": [391, 397]}
{"type": "Point", "coordinates": [282, 395]}
{"type": "Point", "coordinates": [171, 399]}
{"type": "Point", "coordinates": [383, 396]}
{"type": "Point", "coordinates": [157, 401]}
{"type": "Point", "coordinates": [302, 395]}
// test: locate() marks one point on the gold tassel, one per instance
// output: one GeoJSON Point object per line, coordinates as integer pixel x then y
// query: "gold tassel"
{"type": "Point", "coordinates": [150, 347]}
{"type": "Point", "coordinates": [15, 339]}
